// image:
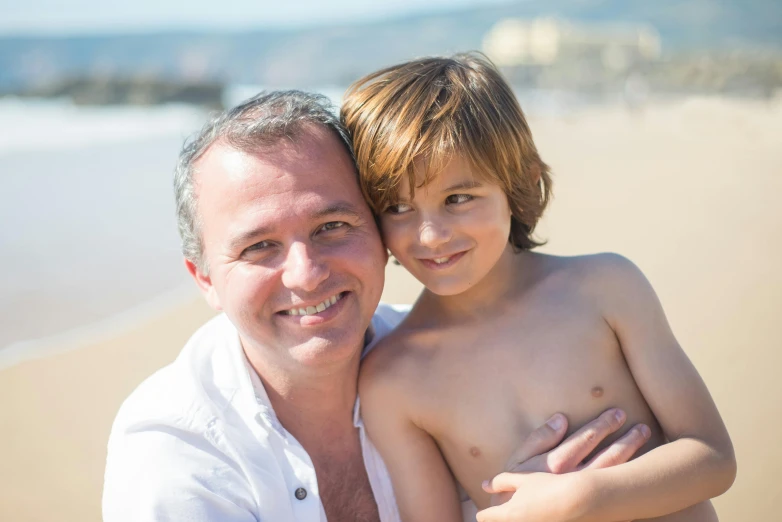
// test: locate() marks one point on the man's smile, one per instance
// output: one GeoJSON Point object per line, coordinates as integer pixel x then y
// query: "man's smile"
{"type": "Point", "coordinates": [313, 309]}
{"type": "Point", "coordinates": [315, 314]}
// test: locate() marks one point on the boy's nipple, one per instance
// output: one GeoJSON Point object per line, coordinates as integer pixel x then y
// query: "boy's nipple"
{"type": "Point", "coordinates": [597, 392]}
{"type": "Point", "coordinates": [475, 451]}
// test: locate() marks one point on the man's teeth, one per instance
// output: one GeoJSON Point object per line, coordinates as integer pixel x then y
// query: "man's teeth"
{"type": "Point", "coordinates": [310, 310]}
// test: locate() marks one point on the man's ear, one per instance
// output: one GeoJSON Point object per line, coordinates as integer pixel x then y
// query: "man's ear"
{"type": "Point", "coordinates": [204, 283]}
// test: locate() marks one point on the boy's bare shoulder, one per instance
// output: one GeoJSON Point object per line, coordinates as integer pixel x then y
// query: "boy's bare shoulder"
{"type": "Point", "coordinates": [397, 361]}
{"type": "Point", "coordinates": [609, 281]}
{"type": "Point", "coordinates": [601, 272]}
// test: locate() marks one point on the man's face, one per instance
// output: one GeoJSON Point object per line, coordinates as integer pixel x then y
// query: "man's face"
{"type": "Point", "coordinates": [295, 259]}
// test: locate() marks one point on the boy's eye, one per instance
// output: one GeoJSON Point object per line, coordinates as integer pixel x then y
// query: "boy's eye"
{"type": "Point", "coordinates": [333, 225]}
{"type": "Point", "coordinates": [399, 208]}
{"type": "Point", "coordinates": [455, 199]}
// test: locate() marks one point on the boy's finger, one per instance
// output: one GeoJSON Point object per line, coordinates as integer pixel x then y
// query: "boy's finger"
{"type": "Point", "coordinates": [621, 450]}
{"type": "Point", "coordinates": [502, 482]}
{"type": "Point", "coordinates": [538, 442]}
{"type": "Point", "coordinates": [567, 456]}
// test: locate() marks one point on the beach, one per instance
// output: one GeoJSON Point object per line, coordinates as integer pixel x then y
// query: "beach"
{"type": "Point", "coordinates": [688, 189]}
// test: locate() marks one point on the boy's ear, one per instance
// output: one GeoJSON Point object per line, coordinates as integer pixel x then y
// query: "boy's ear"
{"type": "Point", "coordinates": [204, 283]}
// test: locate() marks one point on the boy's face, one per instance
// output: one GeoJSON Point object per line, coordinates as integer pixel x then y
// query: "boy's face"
{"type": "Point", "coordinates": [453, 232]}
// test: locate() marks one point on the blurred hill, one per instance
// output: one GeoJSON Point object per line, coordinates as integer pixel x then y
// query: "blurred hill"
{"type": "Point", "coordinates": [339, 54]}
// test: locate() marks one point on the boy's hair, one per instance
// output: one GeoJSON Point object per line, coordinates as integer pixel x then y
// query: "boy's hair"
{"type": "Point", "coordinates": [426, 111]}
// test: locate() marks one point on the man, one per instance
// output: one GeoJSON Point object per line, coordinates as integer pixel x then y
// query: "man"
{"type": "Point", "coordinates": [257, 417]}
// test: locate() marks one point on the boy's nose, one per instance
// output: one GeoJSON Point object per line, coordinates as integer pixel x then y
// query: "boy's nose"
{"type": "Point", "coordinates": [303, 269]}
{"type": "Point", "coordinates": [432, 234]}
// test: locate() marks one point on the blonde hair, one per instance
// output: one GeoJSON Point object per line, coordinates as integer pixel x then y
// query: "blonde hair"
{"type": "Point", "coordinates": [434, 108]}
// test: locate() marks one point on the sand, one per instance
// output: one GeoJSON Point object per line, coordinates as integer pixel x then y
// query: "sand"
{"type": "Point", "coordinates": [687, 190]}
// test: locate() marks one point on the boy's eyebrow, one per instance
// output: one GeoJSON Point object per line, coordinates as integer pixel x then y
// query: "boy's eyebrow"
{"type": "Point", "coordinates": [464, 185]}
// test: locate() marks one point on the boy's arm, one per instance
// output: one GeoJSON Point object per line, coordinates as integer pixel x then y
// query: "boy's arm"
{"type": "Point", "coordinates": [423, 485]}
{"type": "Point", "coordinates": [699, 462]}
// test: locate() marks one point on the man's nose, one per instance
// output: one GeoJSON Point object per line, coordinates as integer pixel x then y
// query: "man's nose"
{"type": "Point", "coordinates": [433, 233]}
{"type": "Point", "coordinates": [303, 270]}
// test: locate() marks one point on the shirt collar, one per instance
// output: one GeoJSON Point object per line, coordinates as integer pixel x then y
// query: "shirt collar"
{"type": "Point", "coordinates": [250, 395]}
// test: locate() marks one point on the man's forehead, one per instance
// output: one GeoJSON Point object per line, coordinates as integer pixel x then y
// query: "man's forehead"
{"type": "Point", "coordinates": [311, 152]}
{"type": "Point", "coordinates": [266, 185]}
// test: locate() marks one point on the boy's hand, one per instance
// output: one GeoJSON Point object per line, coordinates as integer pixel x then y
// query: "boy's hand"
{"type": "Point", "coordinates": [536, 454]}
{"type": "Point", "coordinates": [541, 497]}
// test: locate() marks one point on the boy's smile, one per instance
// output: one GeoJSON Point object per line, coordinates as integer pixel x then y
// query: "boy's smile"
{"type": "Point", "coordinates": [442, 262]}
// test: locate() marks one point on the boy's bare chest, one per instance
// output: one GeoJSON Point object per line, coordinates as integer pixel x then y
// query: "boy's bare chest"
{"type": "Point", "coordinates": [524, 366]}
{"type": "Point", "coordinates": [489, 387]}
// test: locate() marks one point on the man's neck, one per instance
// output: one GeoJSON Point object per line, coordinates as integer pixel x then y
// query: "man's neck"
{"type": "Point", "coordinates": [312, 403]}
{"type": "Point", "coordinates": [316, 407]}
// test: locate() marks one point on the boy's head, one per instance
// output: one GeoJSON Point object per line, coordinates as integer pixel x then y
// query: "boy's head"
{"type": "Point", "coordinates": [409, 121]}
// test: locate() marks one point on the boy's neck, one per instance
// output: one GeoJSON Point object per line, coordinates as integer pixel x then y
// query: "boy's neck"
{"type": "Point", "coordinates": [492, 293]}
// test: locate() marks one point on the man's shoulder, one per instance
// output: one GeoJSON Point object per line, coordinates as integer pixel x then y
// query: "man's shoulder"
{"type": "Point", "coordinates": [188, 391]}
{"type": "Point", "coordinates": [171, 455]}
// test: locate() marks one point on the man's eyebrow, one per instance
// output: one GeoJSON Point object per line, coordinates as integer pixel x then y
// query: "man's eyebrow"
{"type": "Point", "coordinates": [341, 208]}
{"type": "Point", "coordinates": [464, 185]}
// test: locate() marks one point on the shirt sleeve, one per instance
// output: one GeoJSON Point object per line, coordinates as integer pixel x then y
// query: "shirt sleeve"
{"type": "Point", "coordinates": [162, 473]}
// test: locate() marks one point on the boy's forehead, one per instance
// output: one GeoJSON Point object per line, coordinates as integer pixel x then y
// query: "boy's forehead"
{"type": "Point", "coordinates": [433, 176]}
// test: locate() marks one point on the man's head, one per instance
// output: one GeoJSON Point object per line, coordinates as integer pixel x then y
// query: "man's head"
{"type": "Point", "coordinates": [276, 232]}
{"type": "Point", "coordinates": [410, 120]}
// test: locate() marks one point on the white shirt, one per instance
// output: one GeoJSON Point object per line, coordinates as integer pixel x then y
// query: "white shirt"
{"type": "Point", "coordinates": [199, 441]}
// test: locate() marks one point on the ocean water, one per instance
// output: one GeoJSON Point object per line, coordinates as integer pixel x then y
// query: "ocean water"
{"type": "Point", "coordinates": [86, 205]}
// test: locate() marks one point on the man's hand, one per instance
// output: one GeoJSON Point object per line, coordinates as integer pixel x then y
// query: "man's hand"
{"type": "Point", "coordinates": [535, 455]}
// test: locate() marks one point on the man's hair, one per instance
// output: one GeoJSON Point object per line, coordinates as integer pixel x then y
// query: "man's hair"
{"type": "Point", "coordinates": [252, 126]}
{"type": "Point", "coordinates": [431, 109]}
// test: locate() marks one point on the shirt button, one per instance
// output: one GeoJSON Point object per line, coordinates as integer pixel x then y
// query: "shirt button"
{"type": "Point", "coordinates": [301, 493]}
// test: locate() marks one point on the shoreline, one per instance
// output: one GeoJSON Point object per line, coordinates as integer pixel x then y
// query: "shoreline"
{"type": "Point", "coordinates": [97, 332]}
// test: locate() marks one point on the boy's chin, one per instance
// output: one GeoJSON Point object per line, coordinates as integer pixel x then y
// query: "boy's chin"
{"type": "Point", "coordinates": [447, 286]}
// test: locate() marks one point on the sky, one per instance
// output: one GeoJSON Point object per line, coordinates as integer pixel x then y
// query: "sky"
{"type": "Point", "coordinates": [57, 17]}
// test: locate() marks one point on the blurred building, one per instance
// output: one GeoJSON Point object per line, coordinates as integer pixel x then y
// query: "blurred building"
{"type": "Point", "coordinates": [546, 41]}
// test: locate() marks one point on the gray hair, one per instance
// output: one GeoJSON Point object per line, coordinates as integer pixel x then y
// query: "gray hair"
{"type": "Point", "coordinates": [258, 122]}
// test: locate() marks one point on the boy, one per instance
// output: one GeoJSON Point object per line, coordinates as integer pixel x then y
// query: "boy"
{"type": "Point", "coordinates": [448, 164]}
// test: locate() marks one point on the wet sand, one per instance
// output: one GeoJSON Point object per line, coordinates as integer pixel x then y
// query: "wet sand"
{"type": "Point", "coordinates": [689, 191]}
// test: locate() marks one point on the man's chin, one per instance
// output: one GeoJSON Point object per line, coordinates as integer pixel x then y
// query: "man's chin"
{"type": "Point", "coordinates": [320, 351]}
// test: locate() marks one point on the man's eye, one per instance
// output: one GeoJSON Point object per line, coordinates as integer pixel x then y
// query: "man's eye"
{"type": "Point", "coordinates": [260, 245]}
{"type": "Point", "coordinates": [455, 199]}
{"type": "Point", "coordinates": [399, 208]}
{"type": "Point", "coordinates": [333, 225]}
